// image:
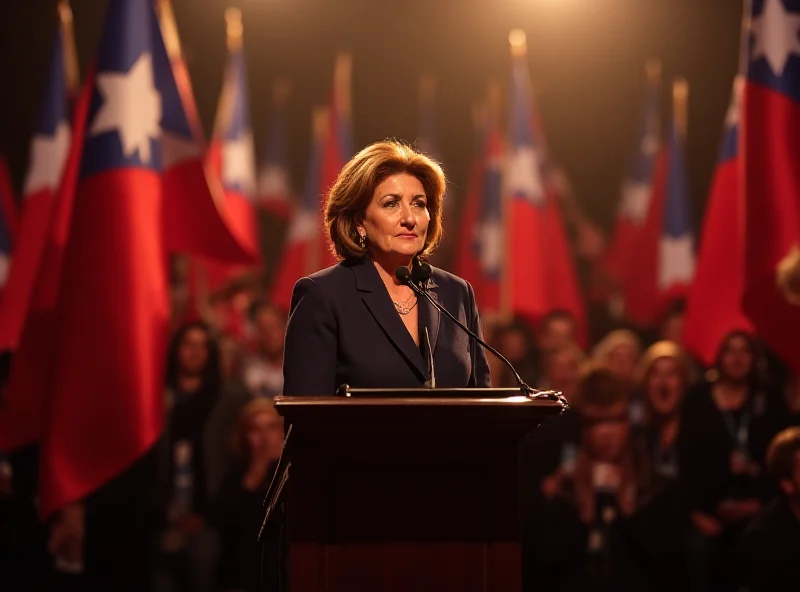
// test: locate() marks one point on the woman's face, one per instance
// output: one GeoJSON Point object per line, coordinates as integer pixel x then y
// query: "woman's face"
{"type": "Point", "coordinates": [622, 361]}
{"type": "Point", "coordinates": [664, 386]}
{"type": "Point", "coordinates": [264, 435]}
{"type": "Point", "coordinates": [193, 351]}
{"type": "Point", "coordinates": [396, 220]}
{"type": "Point", "coordinates": [736, 362]}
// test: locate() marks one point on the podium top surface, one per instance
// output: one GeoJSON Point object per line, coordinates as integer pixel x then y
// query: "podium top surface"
{"type": "Point", "coordinates": [401, 401]}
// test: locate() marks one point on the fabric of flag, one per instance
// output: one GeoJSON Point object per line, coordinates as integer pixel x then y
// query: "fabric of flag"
{"type": "Point", "coordinates": [489, 238]}
{"type": "Point", "coordinates": [714, 303]}
{"type": "Point", "coordinates": [770, 151]}
{"type": "Point", "coordinates": [338, 144]}
{"type": "Point", "coordinates": [8, 222]}
{"type": "Point", "coordinates": [196, 215]}
{"type": "Point", "coordinates": [300, 253]}
{"type": "Point", "coordinates": [106, 407]}
{"type": "Point", "coordinates": [274, 189]}
{"type": "Point", "coordinates": [541, 269]}
{"type": "Point", "coordinates": [637, 189]}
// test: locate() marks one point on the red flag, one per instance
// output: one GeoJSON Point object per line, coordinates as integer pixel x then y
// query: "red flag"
{"type": "Point", "coordinates": [106, 407]}
{"type": "Point", "coordinates": [770, 146]}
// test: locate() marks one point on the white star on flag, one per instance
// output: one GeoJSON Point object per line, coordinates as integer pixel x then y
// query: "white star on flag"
{"type": "Point", "coordinates": [131, 107]}
{"type": "Point", "coordinates": [490, 237]}
{"type": "Point", "coordinates": [775, 32]}
{"type": "Point", "coordinates": [304, 226]}
{"type": "Point", "coordinates": [238, 163]}
{"type": "Point", "coordinates": [273, 181]}
{"type": "Point", "coordinates": [48, 157]}
{"type": "Point", "coordinates": [635, 201]}
{"type": "Point", "coordinates": [734, 109]}
{"type": "Point", "coordinates": [524, 177]}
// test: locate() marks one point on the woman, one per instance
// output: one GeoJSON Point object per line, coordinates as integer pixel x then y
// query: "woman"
{"type": "Point", "coordinates": [256, 443]}
{"type": "Point", "coordinates": [726, 427]}
{"type": "Point", "coordinates": [619, 352]}
{"type": "Point", "coordinates": [355, 323]}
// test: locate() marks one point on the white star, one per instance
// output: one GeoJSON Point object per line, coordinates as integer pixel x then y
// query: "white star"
{"type": "Point", "coordinates": [635, 201]}
{"type": "Point", "coordinates": [304, 226]}
{"type": "Point", "coordinates": [48, 157]}
{"type": "Point", "coordinates": [676, 261]}
{"type": "Point", "coordinates": [238, 163]}
{"type": "Point", "coordinates": [523, 175]}
{"type": "Point", "coordinates": [775, 32]}
{"type": "Point", "coordinates": [132, 107]}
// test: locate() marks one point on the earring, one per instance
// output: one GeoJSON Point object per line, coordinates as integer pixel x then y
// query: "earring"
{"type": "Point", "coordinates": [362, 239]}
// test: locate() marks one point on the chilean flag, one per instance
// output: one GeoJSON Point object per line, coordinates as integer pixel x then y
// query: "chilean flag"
{"type": "Point", "coordinates": [338, 142]}
{"type": "Point", "coordinates": [540, 267]}
{"type": "Point", "coordinates": [273, 176]}
{"type": "Point", "coordinates": [489, 238]}
{"type": "Point", "coordinates": [466, 263]}
{"type": "Point", "coordinates": [106, 407]}
{"type": "Point", "coordinates": [637, 189]}
{"type": "Point", "coordinates": [770, 146]}
{"type": "Point", "coordinates": [196, 216]}
{"type": "Point", "coordinates": [300, 252]}
{"type": "Point", "coordinates": [232, 151]}
{"type": "Point", "coordinates": [43, 182]}
{"type": "Point", "coordinates": [714, 303]}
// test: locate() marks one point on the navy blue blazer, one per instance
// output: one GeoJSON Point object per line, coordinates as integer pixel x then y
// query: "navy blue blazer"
{"type": "Point", "coordinates": [344, 329]}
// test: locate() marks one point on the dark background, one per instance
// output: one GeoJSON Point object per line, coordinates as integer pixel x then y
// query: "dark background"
{"type": "Point", "coordinates": [586, 57]}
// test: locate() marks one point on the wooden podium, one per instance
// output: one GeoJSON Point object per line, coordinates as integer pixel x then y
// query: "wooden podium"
{"type": "Point", "coordinates": [397, 493]}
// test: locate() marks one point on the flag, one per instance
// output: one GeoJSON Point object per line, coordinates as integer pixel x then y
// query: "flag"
{"type": "Point", "coordinates": [770, 151]}
{"type": "Point", "coordinates": [197, 219]}
{"type": "Point", "coordinates": [273, 176]}
{"type": "Point", "coordinates": [338, 142]}
{"type": "Point", "coordinates": [106, 407]}
{"type": "Point", "coordinates": [8, 221]}
{"type": "Point", "coordinates": [637, 187]}
{"type": "Point", "coordinates": [540, 274]}
{"type": "Point", "coordinates": [714, 303]}
{"type": "Point", "coordinates": [300, 255]}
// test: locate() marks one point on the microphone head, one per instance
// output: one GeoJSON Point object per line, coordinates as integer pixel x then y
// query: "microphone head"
{"type": "Point", "coordinates": [421, 272]}
{"type": "Point", "coordinates": [403, 274]}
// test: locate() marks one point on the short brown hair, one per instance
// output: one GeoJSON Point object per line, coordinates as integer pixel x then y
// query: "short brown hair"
{"type": "Point", "coordinates": [356, 184]}
{"type": "Point", "coordinates": [600, 389]}
{"type": "Point", "coordinates": [238, 441]}
{"type": "Point", "coordinates": [782, 453]}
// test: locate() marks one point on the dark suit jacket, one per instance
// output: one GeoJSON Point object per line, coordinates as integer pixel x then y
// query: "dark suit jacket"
{"type": "Point", "coordinates": [344, 329]}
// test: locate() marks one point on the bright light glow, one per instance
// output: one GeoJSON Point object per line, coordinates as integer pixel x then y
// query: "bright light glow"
{"type": "Point", "coordinates": [517, 38]}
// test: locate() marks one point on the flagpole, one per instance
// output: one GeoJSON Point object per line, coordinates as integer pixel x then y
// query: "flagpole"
{"type": "Point", "coordinates": [680, 111]}
{"type": "Point", "coordinates": [71, 69]}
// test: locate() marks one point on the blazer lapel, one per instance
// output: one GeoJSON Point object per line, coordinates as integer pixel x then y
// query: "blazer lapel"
{"type": "Point", "coordinates": [377, 299]}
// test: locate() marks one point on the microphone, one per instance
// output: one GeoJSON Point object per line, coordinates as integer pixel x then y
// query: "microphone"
{"type": "Point", "coordinates": [417, 278]}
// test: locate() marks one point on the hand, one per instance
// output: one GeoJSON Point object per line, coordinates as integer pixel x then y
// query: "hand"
{"type": "Point", "coordinates": [191, 524]}
{"type": "Point", "coordinates": [67, 534]}
{"type": "Point", "coordinates": [706, 524]}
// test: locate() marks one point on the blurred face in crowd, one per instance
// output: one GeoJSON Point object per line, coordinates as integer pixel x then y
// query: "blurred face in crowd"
{"type": "Point", "coordinates": [622, 360]}
{"type": "Point", "coordinates": [672, 329]}
{"type": "Point", "coordinates": [271, 328]}
{"type": "Point", "coordinates": [514, 344]}
{"type": "Point", "coordinates": [264, 435]}
{"type": "Point", "coordinates": [664, 386]}
{"type": "Point", "coordinates": [557, 332]}
{"type": "Point", "coordinates": [563, 371]}
{"type": "Point", "coordinates": [228, 356]}
{"type": "Point", "coordinates": [736, 362]}
{"type": "Point", "coordinates": [193, 351]}
{"type": "Point", "coordinates": [396, 219]}
{"type": "Point", "coordinates": [606, 431]}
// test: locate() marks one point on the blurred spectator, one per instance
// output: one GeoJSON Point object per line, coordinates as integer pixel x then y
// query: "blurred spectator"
{"type": "Point", "coordinates": [515, 341]}
{"type": "Point", "coordinates": [581, 537]}
{"type": "Point", "coordinates": [262, 372]}
{"type": "Point", "coordinates": [557, 328]}
{"type": "Point", "coordinates": [238, 512]}
{"type": "Point", "coordinates": [562, 368]}
{"type": "Point", "coordinates": [671, 326]}
{"type": "Point", "coordinates": [770, 546]}
{"type": "Point", "coordinates": [200, 415]}
{"type": "Point", "coordinates": [725, 429]}
{"type": "Point", "coordinates": [619, 353]}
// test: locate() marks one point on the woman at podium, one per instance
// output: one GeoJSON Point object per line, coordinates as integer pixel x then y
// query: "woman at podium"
{"type": "Point", "coordinates": [355, 322]}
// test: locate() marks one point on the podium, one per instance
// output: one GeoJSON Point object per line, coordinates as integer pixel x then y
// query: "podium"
{"type": "Point", "coordinates": [406, 493]}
